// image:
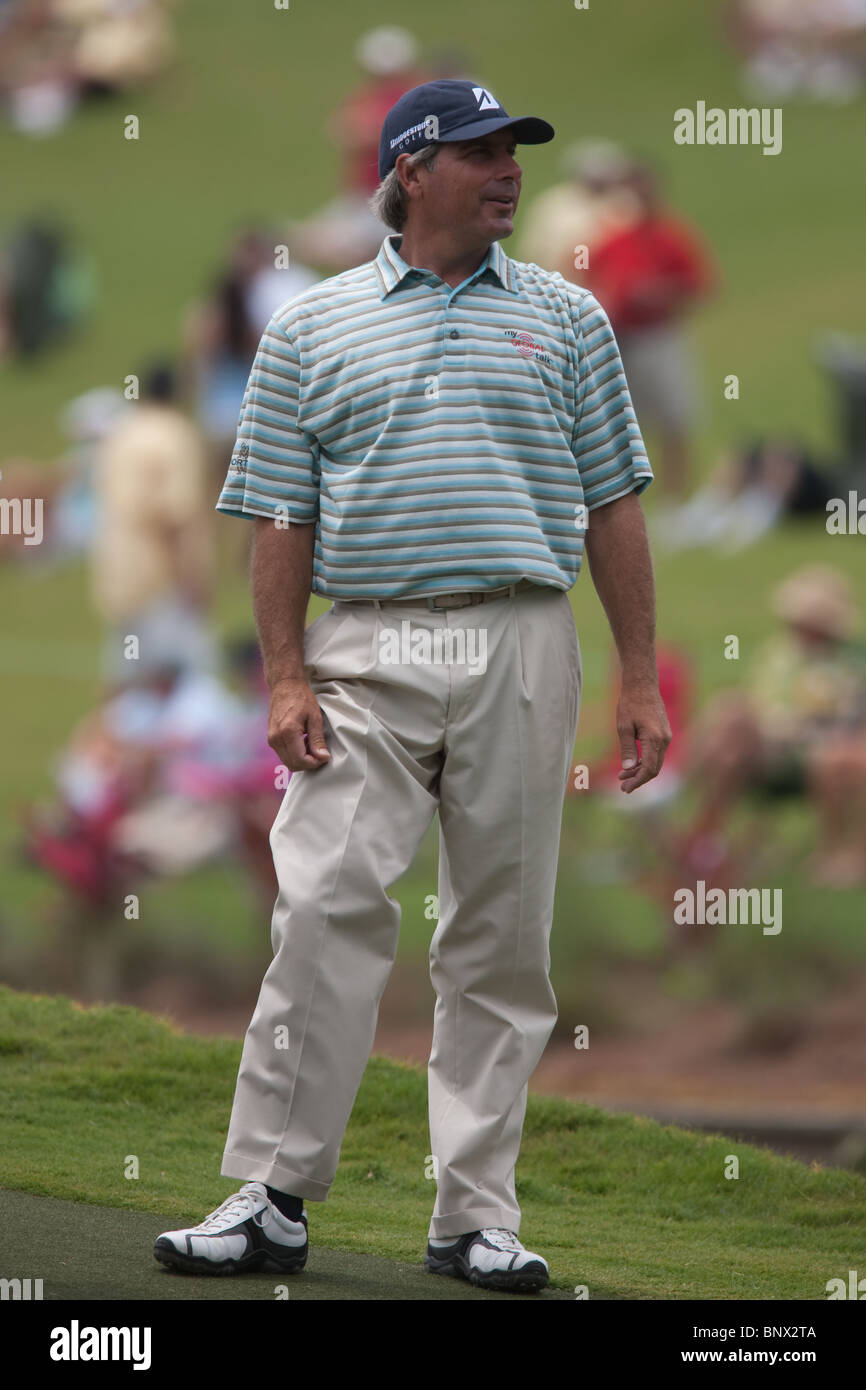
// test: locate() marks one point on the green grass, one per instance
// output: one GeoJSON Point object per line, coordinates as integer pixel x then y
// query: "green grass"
{"type": "Point", "coordinates": [233, 131]}
{"type": "Point", "coordinates": [628, 1207]}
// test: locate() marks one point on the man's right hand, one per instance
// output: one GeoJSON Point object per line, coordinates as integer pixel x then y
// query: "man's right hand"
{"type": "Point", "coordinates": [295, 726]}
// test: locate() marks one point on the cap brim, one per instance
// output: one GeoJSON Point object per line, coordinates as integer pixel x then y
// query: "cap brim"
{"type": "Point", "coordinates": [528, 130]}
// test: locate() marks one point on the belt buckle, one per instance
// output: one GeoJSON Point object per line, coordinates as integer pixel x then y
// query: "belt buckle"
{"type": "Point", "coordinates": [464, 600]}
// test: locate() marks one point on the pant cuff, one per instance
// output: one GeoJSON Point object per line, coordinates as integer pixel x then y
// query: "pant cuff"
{"type": "Point", "coordinates": [235, 1165]}
{"type": "Point", "coordinates": [459, 1223]}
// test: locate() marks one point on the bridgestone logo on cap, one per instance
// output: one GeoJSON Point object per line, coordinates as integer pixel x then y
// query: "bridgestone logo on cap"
{"type": "Point", "coordinates": [404, 135]}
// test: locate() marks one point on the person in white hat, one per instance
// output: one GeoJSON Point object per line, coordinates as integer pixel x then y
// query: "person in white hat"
{"type": "Point", "coordinates": [779, 735]}
{"type": "Point", "coordinates": [346, 232]}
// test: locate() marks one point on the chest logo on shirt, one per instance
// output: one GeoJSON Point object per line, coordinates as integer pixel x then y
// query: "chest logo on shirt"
{"type": "Point", "coordinates": [527, 346]}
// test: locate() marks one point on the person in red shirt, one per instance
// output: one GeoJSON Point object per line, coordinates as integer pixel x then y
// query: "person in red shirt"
{"type": "Point", "coordinates": [647, 276]}
{"type": "Point", "coordinates": [346, 232]}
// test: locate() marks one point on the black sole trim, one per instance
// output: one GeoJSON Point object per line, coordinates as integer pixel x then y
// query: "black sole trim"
{"type": "Point", "coordinates": [527, 1280]}
{"type": "Point", "coordinates": [197, 1264]}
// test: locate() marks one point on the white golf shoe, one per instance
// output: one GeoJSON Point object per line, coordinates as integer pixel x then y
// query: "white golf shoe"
{"type": "Point", "coordinates": [245, 1232]}
{"type": "Point", "coordinates": [492, 1259]}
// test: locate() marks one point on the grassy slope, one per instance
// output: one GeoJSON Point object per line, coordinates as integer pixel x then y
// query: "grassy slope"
{"type": "Point", "coordinates": [626, 1206]}
{"type": "Point", "coordinates": [227, 135]}
{"type": "Point", "coordinates": [234, 131]}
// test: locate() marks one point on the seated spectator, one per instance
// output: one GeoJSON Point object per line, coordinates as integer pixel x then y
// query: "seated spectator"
{"type": "Point", "coordinates": [172, 771]}
{"type": "Point", "coordinates": [56, 53]}
{"type": "Point", "coordinates": [750, 491]}
{"type": "Point", "coordinates": [119, 44]}
{"type": "Point", "coordinates": [837, 784]}
{"type": "Point", "coordinates": [813, 48]}
{"type": "Point", "coordinates": [843, 358]}
{"type": "Point", "coordinates": [804, 699]}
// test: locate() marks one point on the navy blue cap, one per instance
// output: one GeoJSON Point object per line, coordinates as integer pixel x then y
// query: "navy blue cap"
{"type": "Point", "coordinates": [446, 110]}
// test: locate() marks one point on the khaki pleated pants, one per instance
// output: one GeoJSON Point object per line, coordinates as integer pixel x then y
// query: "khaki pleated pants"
{"type": "Point", "coordinates": [489, 743]}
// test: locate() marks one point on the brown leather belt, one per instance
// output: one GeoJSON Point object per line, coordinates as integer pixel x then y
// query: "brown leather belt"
{"type": "Point", "coordinates": [459, 599]}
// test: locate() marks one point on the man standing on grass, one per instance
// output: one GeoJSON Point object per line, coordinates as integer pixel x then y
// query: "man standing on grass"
{"type": "Point", "coordinates": [429, 440]}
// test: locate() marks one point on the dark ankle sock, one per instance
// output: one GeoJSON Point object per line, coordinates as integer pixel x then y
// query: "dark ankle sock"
{"type": "Point", "coordinates": [289, 1206]}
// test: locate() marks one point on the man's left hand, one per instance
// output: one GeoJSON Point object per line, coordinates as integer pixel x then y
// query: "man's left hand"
{"type": "Point", "coordinates": [641, 717]}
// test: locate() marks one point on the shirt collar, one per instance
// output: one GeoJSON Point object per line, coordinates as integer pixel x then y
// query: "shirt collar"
{"type": "Point", "coordinates": [391, 269]}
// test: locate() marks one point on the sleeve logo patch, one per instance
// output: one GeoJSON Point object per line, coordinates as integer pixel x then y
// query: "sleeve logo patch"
{"type": "Point", "coordinates": [239, 459]}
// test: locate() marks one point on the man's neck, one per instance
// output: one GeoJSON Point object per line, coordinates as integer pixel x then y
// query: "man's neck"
{"type": "Point", "coordinates": [439, 255]}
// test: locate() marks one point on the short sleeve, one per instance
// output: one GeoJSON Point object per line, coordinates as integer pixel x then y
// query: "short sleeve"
{"type": "Point", "coordinates": [606, 441]}
{"type": "Point", "coordinates": [274, 468]}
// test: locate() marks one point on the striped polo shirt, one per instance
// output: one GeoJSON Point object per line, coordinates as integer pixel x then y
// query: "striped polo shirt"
{"type": "Point", "coordinates": [441, 438]}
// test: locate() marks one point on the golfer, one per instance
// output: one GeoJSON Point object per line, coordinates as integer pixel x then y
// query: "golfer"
{"type": "Point", "coordinates": [430, 441]}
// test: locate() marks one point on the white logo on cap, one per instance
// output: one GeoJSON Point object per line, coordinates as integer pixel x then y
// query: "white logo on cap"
{"type": "Point", "coordinates": [485, 99]}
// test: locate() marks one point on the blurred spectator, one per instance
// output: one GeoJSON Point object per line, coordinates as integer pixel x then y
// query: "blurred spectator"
{"type": "Point", "coordinates": [222, 333]}
{"type": "Point", "coordinates": [87, 421]}
{"type": "Point", "coordinates": [65, 489]}
{"type": "Point", "coordinates": [749, 492]}
{"type": "Point", "coordinates": [813, 48]}
{"type": "Point", "coordinates": [152, 554]}
{"type": "Point", "coordinates": [346, 232]}
{"type": "Point", "coordinates": [844, 360]}
{"type": "Point", "coordinates": [46, 288]}
{"type": "Point", "coordinates": [647, 276]}
{"type": "Point", "coordinates": [236, 770]}
{"type": "Point", "coordinates": [806, 696]}
{"type": "Point", "coordinates": [837, 782]}
{"type": "Point", "coordinates": [565, 223]}
{"type": "Point", "coordinates": [38, 84]}
{"type": "Point", "coordinates": [172, 771]}
{"type": "Point", "coordinates": [388, 56]}
{"type": "Point", "coordinates": [54, 53]}
{"type": "Point", "coordinates": [118, 43]}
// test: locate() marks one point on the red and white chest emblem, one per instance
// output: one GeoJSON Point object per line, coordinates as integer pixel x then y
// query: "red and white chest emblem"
{"type": "Point", "coordinates": [526, 345]}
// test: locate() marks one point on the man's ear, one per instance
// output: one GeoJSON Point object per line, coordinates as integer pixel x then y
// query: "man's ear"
{"type": "Point", "coordinates": [400, 164]}
{"type": "Point", "coordinates": [411, 174]}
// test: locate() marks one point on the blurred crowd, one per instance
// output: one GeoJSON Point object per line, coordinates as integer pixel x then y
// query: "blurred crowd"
{"type": "Point", "coordinates": [56, 54]}
{"type": "Point", "coordinates": [606, 226]}
{"type": "Point", "coordinates": [793, 728]}
{"type": "Point", "coordinates": [172, 769]}
{"type": "Point", "coordinates": [815, 49]}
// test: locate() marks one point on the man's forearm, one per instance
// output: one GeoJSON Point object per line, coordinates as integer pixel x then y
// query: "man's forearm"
{"type": "Point", "coordinates": [281, 577]}
{"type": "Point", "coordinates": [619, 560]}
{"type": "Point", "coordinates": [621, 569]}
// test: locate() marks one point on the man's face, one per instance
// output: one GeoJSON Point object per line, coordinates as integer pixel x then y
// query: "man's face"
{"type": "Point", "coordinates": [473, 189]}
